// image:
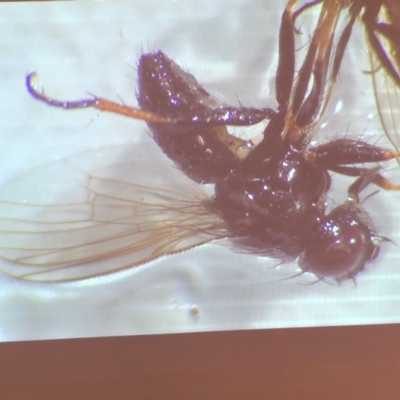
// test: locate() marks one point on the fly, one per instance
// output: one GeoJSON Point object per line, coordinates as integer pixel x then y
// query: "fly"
{"type": "Point", "coordinates": [269, 198]}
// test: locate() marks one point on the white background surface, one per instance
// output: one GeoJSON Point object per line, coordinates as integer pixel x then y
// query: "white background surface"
{"type": "Point", "coordinates": [231, 48]}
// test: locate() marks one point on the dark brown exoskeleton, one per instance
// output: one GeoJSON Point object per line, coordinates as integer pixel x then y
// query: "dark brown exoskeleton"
{"type": "Point", "coordinates": [272, 196]}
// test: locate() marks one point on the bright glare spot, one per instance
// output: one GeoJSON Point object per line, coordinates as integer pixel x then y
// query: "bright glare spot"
{"type": "Point", "coordinates": [339, 106]}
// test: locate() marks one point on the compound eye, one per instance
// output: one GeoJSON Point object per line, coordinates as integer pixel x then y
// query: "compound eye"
{"type": "Point", "coordinates": [340, 256]}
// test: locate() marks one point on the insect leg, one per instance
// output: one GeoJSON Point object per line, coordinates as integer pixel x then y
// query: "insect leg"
{"type": "Point", "coordinates": [306, 7]}
{"type": "Point", "coordinates": [322, 63]}
{"type": "Point", "coordinates": [286, 65]}
{"type": "Point", "coordinates": [390, 32]}
{"type": "Point", "coordinates": [337, 155]}
{"type": "Point", "coordinates": [223, 115]}
{"type": "Point", "coordinates": [68, 105]}
{"type": "Point", "coordinates": [95, 102]}
{"type": "Point", "coordinates": [346, 151]}
{"type": "Point", "coordinates": [376, 179]}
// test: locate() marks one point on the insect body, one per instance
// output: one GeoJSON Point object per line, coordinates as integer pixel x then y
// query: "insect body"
{"type": "Point", "coordinates": [271, 197]}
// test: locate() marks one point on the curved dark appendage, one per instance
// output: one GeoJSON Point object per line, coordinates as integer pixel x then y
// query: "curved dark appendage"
{"type": "Point", "coordinates": [389, 32]}
{"type": "Point", "coordinates": [308, 108]}
{"type": "Point", "coordinates": [306, 7]}
{"type": "Point", "coordinates": [368, 177]}
{"type": "Point", "coordinates": [311, 106]}
{"type": "Point", "coordinates": [340, 155]}
{"type": "Point", "coordinates": [382, 56]}
{"type": "Point", "coordinates": [346, 151]}
{"type": "Point", "coordinates": [377, 180]}
{"type": "Point", "coordinates": [286, 65]}
{"type": "Point", "coordinates": [350, 171]}
{"type": "Point", "coordinates": [304, 77]}
{"type": "Point", "coordinates": [97, 103]}
{"type": "Point", "coordinates": [343, 41]}
{"type": "Point", "coordinates": [371, 26]}
{"type": "Point", "coordinates": [67, 105]}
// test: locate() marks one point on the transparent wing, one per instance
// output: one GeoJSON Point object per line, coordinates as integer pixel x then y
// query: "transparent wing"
{"type": "Point", "coordinates": [93, 215]}
{"type": "Point", "coordinates": [387, 97]}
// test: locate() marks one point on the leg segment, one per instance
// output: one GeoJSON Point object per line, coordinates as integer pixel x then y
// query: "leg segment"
{"type": "Point", "coordinates": [377, 178]}
{"type": "Point", "coordinates": [390, 32]}
{"type": "Point", "coordinates": [95, 102]}
{"type": "Point", "coordinates": [340, 155]}
{"type": "Point", "coordinates": [223, 115]}
{"type": "Point", "coordinates": [346, 151]}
